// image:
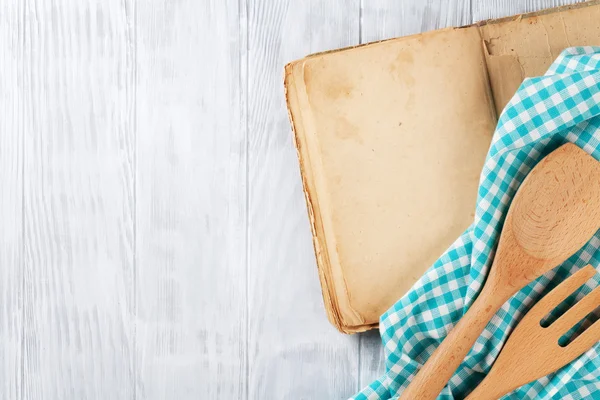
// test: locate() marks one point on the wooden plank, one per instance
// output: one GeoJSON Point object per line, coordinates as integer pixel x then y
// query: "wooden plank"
{"type": "Point", "coordinates": [483, 10]}
{"type": "Point", "coordinates": [78, 200]}
{"type": "Point", "coordinates": [191, 201]}
{"type": "Point", "coordinates": [294, 353]}
{"type": "Point", "coordinates": [384, 19]}
{"type": "Point", "coordinates": [11, 199]}
{"type": "Point", "coordinates": [372, 358]}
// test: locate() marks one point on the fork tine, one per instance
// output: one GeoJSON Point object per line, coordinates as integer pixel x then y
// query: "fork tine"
{"type": "Point", "coordinates": [562, 291]}
{"type": "Point", "coordinates": [584, 341]}
{"type": "Point", "coordinates": [583, 307]}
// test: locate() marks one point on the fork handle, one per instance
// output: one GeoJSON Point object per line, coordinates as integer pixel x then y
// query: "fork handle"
{"type": "Point", "coordinates": [444, 361]}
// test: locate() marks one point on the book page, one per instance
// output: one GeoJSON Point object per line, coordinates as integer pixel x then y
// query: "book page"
{"type": "Point", "coordinates": [392, 137]}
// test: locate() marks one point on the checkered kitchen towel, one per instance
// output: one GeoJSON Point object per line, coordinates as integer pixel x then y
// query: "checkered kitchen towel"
{"type": "Point", "coordinates": [546, 112]}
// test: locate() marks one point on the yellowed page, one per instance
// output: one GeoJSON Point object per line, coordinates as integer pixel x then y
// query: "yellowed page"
{"type": "Point", "coordinates": [391, 137]}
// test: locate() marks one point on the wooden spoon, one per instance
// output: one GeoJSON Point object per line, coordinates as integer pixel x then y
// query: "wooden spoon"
{"type": "Point", "coordinates": [553, 214]}
{"type": "Point", "coordinates": [532, 350]}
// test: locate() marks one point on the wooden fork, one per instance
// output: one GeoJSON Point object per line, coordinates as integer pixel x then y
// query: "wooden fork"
{"type": "Point", "coordinates": [533, 351]}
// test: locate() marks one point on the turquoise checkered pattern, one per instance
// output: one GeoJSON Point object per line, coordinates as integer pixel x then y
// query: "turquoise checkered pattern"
{"type": "Point", "coordinates": [546, 112]}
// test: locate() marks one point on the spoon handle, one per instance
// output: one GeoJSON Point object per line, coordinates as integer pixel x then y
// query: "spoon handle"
{"type": "Point", "coordinates": [444, 361]}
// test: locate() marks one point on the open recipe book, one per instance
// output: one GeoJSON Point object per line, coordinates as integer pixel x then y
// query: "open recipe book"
{"type": "Point", "coordinates": [392, 136]}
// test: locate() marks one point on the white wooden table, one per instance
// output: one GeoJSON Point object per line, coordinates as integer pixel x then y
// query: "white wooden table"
{"type": "Point", "coordinates": [154, 237]}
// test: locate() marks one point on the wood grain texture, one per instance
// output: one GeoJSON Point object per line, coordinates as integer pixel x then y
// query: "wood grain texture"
{"type": "Point", "coordinates": [294, 353]}
{"type": "Point", "coordinates": [11, 199]}
{"type": "Point", "coordinates": [483, 10]}
{"type": "Point", "coordinates": [191, 201]}
{"type": "Point", "coordinates": [384, 19]}
{"type": "Point", "coordinates": [371, 364]}
{"type": "Point", "coordinates": [78, 200]}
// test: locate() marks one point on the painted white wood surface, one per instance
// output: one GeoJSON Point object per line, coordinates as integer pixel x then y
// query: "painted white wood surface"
{"type": "Point", "coordinates": [11, 200]}
{"type": "Point", "coordinates": [78, 326]}
{"type": "Point", "coordinates": [191, 201]}
{"type": "Point", "coordinates": [483, 10]}
{"type": "Point", "coordinates": [384, 19]}
{"type": "Point", "coordinates": [153, 232]}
